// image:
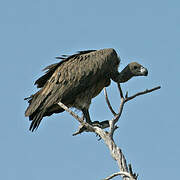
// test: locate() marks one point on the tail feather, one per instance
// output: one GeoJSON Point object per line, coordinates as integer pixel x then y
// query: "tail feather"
{"type": "Point", "coordinates": [38, 115]}
{"type": "Point", "coordinates": [36, 120]}
{"type": "Point", "coordinates": [37, 110]}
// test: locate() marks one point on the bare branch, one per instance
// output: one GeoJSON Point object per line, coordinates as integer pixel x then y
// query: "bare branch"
{"type": "Point", "coordinates": [125, 171]}
{"type": "Point", "coordinates": [141, 93]}
{"type": "Point", "coordinates": [71, 112]}
{"type": "Point", "coordinates": [134, 175]}
{"type": "Point", "coordinates": [115, 151]}
{"type": "Point", "coordinates": [115, 120]}
{"type": "Point", "coordinates": [84, 126]}
{"type": "Point", "coordinates": [126, 94]}
{"type": "Point", "coordinates": [108, 102]}
{"type": "Point", "coordinates": [120, 90]}
{"type": "Point", "coordinates": [81, 129]}
{"type": "Point", "coordinates": [124, 174]}
{"type": "Point", "coordinates": [123, 101]}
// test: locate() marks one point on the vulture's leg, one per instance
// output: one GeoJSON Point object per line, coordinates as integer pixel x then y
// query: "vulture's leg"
{"type": "Point", "coordinates": [86, 115]}
{"type": "Point", "coordinates": [88, 119]}
{"type": "Point", "coordinates": [103, 124]}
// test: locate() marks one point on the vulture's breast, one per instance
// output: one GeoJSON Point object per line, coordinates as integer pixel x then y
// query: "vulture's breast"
{"type": "Point", "coordinates": [83, 100]}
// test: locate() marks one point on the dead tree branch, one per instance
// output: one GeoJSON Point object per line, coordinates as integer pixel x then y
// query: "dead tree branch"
{"type": "Point", "coordinates": [141, 93]}
{"type": "Point", "coordinates": [125, 172]}
{"type": "Point", "coordinates": [70, 112]}
{"type": "Point", "coordinates": [108, 103]}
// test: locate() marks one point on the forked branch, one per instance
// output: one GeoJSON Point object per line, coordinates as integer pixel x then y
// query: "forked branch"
{"type": "Point", "coordinates": [125, 172]}
{"type": "Point", "coordinates": [123, 101]}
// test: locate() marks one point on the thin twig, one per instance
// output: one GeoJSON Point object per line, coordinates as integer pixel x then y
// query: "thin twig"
{"type": "Point", "coordinates": [120, 90]}
{"type": "Point", "coordinates": [134, 175]}
{"type": "Point", "coordinates": [108, 102]}
{"type": "Point", "coordinates": [141, 93]}
{"type": "Point", "coordinates": [115, 120]}
{"type": "Point", "coordinates": [125, 174]}
{"type": "Point", "coordinates": [121, 105]}
{"type": "Point", "coordinates": [123, 101]}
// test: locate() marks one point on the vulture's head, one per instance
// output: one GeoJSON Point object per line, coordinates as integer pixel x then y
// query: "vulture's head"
{"type": "Point", "coordinates": [131, 70]}
{"type": "Point", "coordinates": [137, 69]}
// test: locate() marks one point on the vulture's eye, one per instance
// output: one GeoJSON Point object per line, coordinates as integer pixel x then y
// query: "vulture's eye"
{"type": "Point", "coordinates": [135, 67]}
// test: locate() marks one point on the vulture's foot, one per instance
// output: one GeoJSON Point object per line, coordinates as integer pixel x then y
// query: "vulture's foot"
{"type": "Point", "coordinates": [103, 124]}
{"type": "Point", "coordinates": [82, 128]}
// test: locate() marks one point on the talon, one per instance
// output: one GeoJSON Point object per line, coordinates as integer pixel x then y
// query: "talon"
{"type": "Point", "coordinates": [103, 124]}
{"type": "Point", "coordinates": [96, 123]}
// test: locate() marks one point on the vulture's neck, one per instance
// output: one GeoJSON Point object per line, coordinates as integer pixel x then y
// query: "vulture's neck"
{"type": "Point", "coordinates": [122, 76]}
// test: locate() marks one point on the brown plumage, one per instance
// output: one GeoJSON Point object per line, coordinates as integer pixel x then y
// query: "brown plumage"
{"type": "Point", "coordinates": [75, 80]}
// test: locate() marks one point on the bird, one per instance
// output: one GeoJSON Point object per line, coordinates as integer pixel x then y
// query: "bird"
{"type": "Point", "coordinates": [75, 81]}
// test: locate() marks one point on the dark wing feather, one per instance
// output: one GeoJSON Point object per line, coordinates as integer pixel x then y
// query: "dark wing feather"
{"type": "Point", "coordinates": [70, 79]}
{"type": "Point", "coordinates": [51, 68]}
{"type": "Point", "coordinates": [74, 55]}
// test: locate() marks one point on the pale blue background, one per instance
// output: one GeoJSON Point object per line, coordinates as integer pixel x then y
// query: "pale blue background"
{"type": "Point", "coordinates": [33, 32]}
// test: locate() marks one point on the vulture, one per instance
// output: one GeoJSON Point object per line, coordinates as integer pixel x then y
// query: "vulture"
{"type": "Point", "coordinates": [75, 80]}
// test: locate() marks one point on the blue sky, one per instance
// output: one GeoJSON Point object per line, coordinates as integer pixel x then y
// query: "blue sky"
{"type": "Point", "coordinates": [33, 32]}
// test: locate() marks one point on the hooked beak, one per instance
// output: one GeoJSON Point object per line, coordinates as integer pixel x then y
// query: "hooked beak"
{"type": "Point", "coordinates": [144, 71]}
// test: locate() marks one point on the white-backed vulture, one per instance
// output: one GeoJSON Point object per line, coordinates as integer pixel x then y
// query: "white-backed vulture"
{"type": "Point", "coordinates": [75, 80]}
